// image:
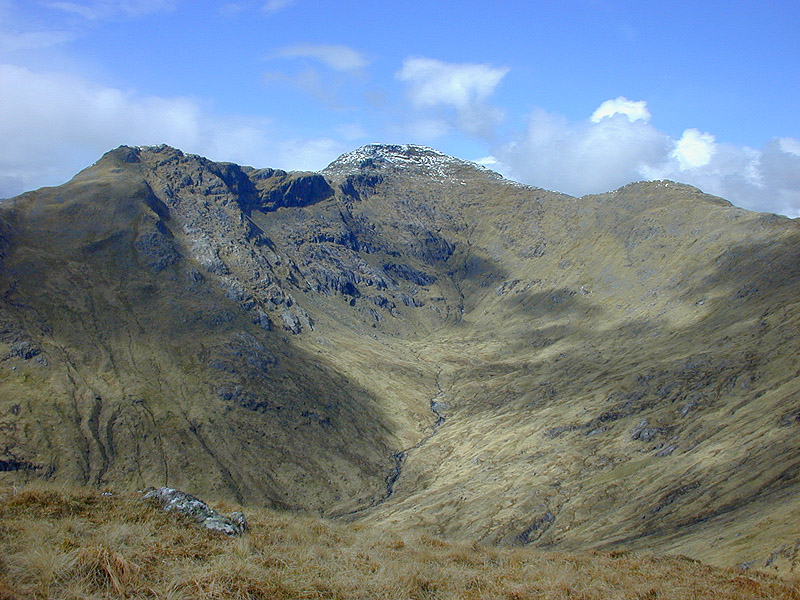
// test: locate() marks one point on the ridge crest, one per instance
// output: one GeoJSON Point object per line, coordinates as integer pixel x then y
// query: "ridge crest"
{"type": "Point", "coordinates": [380, 156]}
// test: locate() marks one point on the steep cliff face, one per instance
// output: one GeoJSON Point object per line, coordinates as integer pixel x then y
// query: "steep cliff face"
{"type": "Point", "coordinates": [145, 322]}
{"type": "Point", "coordinates": [409, 338]}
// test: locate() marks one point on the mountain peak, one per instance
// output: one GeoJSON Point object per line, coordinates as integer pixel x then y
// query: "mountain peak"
{"type": "Point", "coordinates": [390, 153]}
{"type": "Point", "coordinates": [381, 156]}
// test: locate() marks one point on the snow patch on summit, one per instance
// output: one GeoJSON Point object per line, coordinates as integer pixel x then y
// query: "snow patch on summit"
{"type": "Point", "coordinates": [429, 161]}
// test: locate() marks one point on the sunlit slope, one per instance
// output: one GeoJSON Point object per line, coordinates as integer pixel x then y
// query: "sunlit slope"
{"type": "Point", "coordinates": [632, 381]}
{"type": "Point", "coordinates": [410, 339]}
{"type": "Point", "coordinates": [83, 543]}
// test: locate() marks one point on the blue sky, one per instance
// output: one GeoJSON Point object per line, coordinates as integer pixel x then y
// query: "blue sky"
{"type": "Point", "coordinates": [581, 97]}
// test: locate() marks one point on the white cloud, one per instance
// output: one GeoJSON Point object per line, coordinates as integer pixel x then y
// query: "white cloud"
{"type": "Point", "coordinates": [766, 179]}
{"type": "Point", "coordinates": [780, 170]}
{"type": "Point", "coordinates": [635, 110]}
{"type": "Point", "coordinates": [462, 87]}
{"type": "Point", "coordinates": [582, 158]}
{"type": "Point", "coordinates": [338, 57]}
{"type": "Point", "coordinates": [617, 145]}
{"type": "Point", "coordinates": [105, 9]}
{"type": "Point", "coordinates": [789, 146]}
{"type": "Point", "coordinates": [433, 82]}
{"type": "Point", "coordinates": [694, 149]}
{"type": "Point", "coordinates": [52, 125]}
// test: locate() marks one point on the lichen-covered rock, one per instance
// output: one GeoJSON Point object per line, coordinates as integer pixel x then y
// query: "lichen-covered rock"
{"type": "Point", "coordinates": [239, 519]}
{"type": "Point", "coordinates": [175, 500]}
{"type": "Point", "coordinates": [290, 321]}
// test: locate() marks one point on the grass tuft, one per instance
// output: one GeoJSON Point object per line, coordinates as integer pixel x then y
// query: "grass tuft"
{"type": "Point", "coordinates": [76, 543]}
{"type": "Point", "coordinates": [104, 569]}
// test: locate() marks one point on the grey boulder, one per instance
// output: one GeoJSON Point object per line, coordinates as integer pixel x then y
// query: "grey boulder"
{"type": "Point", "coordinates": [175, 500]}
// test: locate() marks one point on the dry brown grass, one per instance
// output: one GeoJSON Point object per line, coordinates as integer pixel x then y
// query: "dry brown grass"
{"type": "Point", "coordinates": [76, 543]}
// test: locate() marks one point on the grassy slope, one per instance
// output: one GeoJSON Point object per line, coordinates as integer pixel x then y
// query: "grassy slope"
{"type": "Point", "coordinates": [77, 543]}
{"type": "Point", "coordinates": [569, 343]}
{"type": "Point", "coordinates": [654, 308]}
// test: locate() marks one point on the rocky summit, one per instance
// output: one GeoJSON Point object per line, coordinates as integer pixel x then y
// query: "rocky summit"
{"type": "Point", "coordinates": [411, 340]}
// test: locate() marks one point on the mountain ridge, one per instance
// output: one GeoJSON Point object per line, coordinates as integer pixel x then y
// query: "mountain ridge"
{"type": "Point", "coordinates": [414, 341]}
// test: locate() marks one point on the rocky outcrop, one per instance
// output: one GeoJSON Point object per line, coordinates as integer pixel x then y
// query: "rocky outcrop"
{"type": "Point", "coordinates": [177, 501]}
{"type": "Point", "coordinates": [296, 190]}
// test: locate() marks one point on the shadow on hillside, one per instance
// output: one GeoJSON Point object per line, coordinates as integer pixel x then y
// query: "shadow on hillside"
{"type": "Point", "coordinates": [158, 378]}
{"type": "Point", "coordinates": [663, 388]}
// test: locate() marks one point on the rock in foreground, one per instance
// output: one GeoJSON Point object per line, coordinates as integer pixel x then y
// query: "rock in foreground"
{"type": "Point", "coordinates": [177, 501]}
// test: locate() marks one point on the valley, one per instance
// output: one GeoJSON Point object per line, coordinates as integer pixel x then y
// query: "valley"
{"type": "Point", "coordinates": [411, 342]}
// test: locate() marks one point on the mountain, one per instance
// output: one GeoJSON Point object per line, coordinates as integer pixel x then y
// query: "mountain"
{"type": "Point", "coordinates": [411, 340]}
